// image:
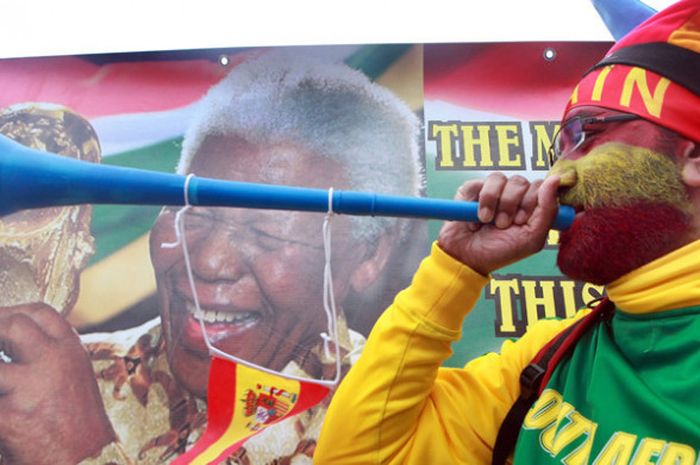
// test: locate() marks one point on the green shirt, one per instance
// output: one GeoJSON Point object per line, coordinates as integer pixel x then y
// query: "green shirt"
{"type": "Point", "coordinates": [629, 394]}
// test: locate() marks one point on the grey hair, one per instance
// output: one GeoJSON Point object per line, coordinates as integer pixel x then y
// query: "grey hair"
{"type": "Point", "coordinates": [325, 106]}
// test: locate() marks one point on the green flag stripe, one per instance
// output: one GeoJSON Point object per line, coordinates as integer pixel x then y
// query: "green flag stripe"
{"type": "Point", "coordinates": [115, 226]}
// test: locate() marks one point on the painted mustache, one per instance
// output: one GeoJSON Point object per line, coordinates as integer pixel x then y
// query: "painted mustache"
{"type": "Point", "coordinates": [619, 175]}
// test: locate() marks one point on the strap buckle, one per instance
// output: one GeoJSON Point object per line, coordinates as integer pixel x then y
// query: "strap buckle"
{"type": "Point", "coordinates": [530, 379]}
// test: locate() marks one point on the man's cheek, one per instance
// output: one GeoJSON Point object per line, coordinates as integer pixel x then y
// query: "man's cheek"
{"type": "Point", "coordinates": [291, 282]}
{"type": "Point", "coordinates": [623, 175]}
{"type": "Point", "coordinates": [273, 269]}
{"type": "Point", "coordinates": [163, 256]}
{"type": "Point", "coordinates": [605, 244]}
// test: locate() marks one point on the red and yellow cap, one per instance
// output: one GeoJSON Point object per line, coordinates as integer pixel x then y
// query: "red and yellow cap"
{"type": "Point", "coordinates": [652, 72]}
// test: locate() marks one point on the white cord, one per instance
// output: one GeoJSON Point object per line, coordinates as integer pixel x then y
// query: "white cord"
{"type": "Point", "coordinates": [328, 300]}
{"type": "Point", "coordinates": [180, 240]}
{"type": "Point", "coordinates": [328, 296]}
{"type": "Point", "coordinates": [179, 227]}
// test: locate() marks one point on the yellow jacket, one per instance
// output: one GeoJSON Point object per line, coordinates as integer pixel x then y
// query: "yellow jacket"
{"type": "Point", "coordinates": [402, 407]}
{"type": "Point", "coordinates": [399, 406]}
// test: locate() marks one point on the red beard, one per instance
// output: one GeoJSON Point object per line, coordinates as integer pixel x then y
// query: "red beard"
{"type": "Point", "coordinates": [606, 243]}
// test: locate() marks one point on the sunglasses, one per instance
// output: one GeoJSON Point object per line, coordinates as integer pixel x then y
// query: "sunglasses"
{"type": "Point", "coordinates": [572, 133]}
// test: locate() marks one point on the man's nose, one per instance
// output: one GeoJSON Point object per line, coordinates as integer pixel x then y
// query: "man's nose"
{"type": "Point", "coordinates": [221, 255]}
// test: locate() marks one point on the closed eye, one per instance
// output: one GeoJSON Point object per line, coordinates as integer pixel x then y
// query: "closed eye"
{"type": "Point", "coordinates": [270, 242]}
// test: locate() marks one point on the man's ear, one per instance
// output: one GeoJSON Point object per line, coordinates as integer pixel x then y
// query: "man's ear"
{"type": "Point", "coordinates": [369, 269]}
{"type": "Point", "coordinates": [690, 160]}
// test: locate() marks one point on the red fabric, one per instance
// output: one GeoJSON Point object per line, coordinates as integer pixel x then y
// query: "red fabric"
{"type": "Point", "coordinates": [93, 90]}
{"type": "Point", "coordinates": [220, 406]}
{"type": "Point", "coordinates": [510, 79]}
{"type": "Point", "coordinates": [659, 27]}
{"type": "Point", "coordinates": [680, 109]}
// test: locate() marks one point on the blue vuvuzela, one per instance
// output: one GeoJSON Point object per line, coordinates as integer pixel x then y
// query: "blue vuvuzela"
{"type": "Point", "coordinates": [31, 178]}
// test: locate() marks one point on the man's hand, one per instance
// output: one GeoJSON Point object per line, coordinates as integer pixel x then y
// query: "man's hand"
{"type": "Point", "coordinates": [516, 217]}
{"type": "Point", "coordinates": [51, 411]}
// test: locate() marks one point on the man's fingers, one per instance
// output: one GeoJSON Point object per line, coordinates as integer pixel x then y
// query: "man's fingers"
{"type": "Point", "coordinates": [528, 203]}
{"type": "Point", "coordinates": [510, 201]}
{"type": "Point", "coordinates": [490, 195]}
{"type": "Point", "coordinates": [469, 191]}
{"type": "Point", "coordinates": [505, 201]}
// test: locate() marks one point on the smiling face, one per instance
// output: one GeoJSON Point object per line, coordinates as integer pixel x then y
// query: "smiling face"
{"type": "Point", "coordinates": [633, 206]}
{"type": "Point", "coordinates": [258, 273]}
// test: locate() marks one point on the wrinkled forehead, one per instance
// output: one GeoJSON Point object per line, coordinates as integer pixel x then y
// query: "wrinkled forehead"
{"type": "Point", "coordinates": [233, 157]}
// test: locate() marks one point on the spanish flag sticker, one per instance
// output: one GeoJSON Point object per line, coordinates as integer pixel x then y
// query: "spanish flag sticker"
{"type": "Point", "coordinates": [242, 402]}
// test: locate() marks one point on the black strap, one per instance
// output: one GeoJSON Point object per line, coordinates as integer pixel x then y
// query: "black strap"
{"type": "Point", "coordinates": [678, 64]}
{"type": "Point", "coordinates": [531, 381]}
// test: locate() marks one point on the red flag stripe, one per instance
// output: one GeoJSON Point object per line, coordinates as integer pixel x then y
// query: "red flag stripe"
{"type": "Point", "coordinates": [221, 406]}
{"type": "Point", "coordinates": [510, 79]}
{"type": "Point", "coordinates": [115, 88]}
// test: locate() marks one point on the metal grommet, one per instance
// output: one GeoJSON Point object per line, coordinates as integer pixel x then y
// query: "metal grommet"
{"type": "Point", "coordinates": [549, 54]}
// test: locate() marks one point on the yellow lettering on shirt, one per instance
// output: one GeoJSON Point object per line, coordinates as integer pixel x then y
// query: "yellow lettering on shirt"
{"type": "Point", "coordinates": [677, 454]}
{"type": "Point", "coordinates": [545, 411]}
{"type": "Point", "coordinates": [577, 426]}
{"type": "Point", "coordinates": [549, 433]}
{"type": "Point", "coordinates": [648, 451]}
{"type": "Point", "coordinates": [618, 450]}
{"type": "Point", "coordinates": [581, 454]}
{"type": "Point", "coordinates": [562, 428]}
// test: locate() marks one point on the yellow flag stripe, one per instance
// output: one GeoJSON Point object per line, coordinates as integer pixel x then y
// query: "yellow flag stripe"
{"type": "Point", "coordinates": [114, 284]}
{"type": "Point", "coordinates": [405, 77]}
{"type": "Point", "coordinates": [246, 378]}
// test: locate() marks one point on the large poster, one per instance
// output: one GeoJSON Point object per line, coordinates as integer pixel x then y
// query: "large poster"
{"type": "Point", "coordinates": [398, 119]}
{"type": "Point", "coordinates": [496, 107]}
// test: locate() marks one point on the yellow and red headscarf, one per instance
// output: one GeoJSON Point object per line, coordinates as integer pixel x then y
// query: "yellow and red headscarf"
{"type": "Point", "coordinates": [653, 72]}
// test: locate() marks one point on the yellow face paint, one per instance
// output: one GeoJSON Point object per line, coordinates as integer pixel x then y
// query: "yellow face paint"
{"type": "Point", "coordinates": [616, 175]}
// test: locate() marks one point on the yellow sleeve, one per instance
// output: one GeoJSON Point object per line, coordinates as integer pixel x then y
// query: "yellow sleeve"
{"type": "Point", "coordinates": [398, 406]}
